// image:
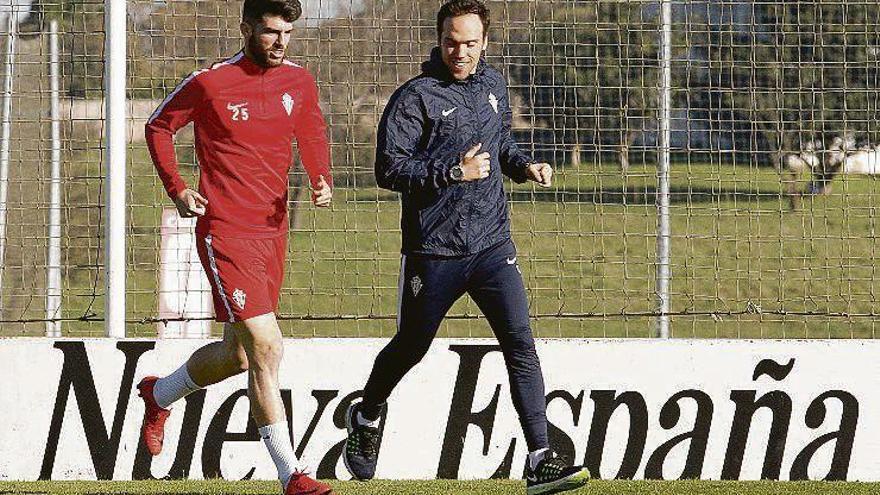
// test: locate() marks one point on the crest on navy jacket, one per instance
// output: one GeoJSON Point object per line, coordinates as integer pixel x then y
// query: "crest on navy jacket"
{"type": "Point", "coordinates": [493, 100]}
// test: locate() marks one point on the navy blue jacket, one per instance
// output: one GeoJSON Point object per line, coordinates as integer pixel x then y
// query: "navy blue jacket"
{"type": "Point", "coordinates": [428, 125]}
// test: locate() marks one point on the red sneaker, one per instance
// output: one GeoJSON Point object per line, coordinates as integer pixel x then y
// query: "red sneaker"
{"type": "Point", "coordinates": [153, 432]}
{"type": "Point", "coordinates": [300, 484]}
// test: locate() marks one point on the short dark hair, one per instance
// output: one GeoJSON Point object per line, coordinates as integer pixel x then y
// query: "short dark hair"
{"type": "Point", "coordinates": [254, 10]}
{"type": "Point", "coordinates": [455, 8]}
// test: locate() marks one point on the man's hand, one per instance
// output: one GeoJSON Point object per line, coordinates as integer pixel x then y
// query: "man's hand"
{"type": "Point", "coordinates": [323, 194]}
{"type": "Point", "coordinates": [542, 173]}
{"type": "Point", "coordinates": [474, 166]}
{"type": "Point", "coordinates": [190, 204]}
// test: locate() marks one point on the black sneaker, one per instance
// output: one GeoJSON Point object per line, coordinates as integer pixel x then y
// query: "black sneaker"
{"type": "Point", "coordinates": [361, 446]}
{"type": "Point", "coordinates": [554, 474]}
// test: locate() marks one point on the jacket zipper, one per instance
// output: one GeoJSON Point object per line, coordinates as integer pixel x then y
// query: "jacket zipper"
{"type": "Point", "coordinates": [472, 186]}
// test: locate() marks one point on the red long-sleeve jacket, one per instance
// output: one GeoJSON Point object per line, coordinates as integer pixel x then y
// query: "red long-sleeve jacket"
{"type": "Point", "coordinates": [245, 118]}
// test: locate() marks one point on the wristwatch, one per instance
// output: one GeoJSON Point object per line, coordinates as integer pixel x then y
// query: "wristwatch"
{"type": "Point", "coordinates": [456, 173]}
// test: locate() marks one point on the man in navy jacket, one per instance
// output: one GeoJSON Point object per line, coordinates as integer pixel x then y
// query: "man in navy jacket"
{"type": "Point", "coordinates": [444, 143]}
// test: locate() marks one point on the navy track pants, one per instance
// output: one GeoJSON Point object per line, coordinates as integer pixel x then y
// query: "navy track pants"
{"type": "Point", "coordinates": [429, 286]}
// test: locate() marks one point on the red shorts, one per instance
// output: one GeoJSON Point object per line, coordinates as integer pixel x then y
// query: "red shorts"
{"type": "Point", "coordinates": [245, 274]}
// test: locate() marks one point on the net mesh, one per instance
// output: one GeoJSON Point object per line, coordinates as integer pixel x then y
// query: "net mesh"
{"type": "Point", "coordinates": [774, 117]}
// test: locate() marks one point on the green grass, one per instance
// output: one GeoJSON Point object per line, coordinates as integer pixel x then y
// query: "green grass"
{"type": "Point", "coordinates": [495, 487]}
{"type": "Point", "coordinates": [743, 265]}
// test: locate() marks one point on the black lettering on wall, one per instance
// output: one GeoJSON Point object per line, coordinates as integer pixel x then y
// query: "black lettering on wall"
{"type": "Point", "coordinates": [323, 397]}
{"type": "Point", "coordinates": [502, 472]}
{"type": "Point", "coordinates": [327, 466]}
{"type": "Point", "coordinates": [76, 373]}
{"type": "Point", "coordinates": [192, 415]}
{"type": "Point", "coordinates": [606, 403]}
{"type": "Point", "coordinates": [779, 403]}
{"type": "Point", "coordinates": [559, 440]}
{"type": "Point", "coordinates": [776, 371]}
{"type": "Point", "coordinates": [698, 435]}
{"type": "Point", "coordinates": [218, 434]}
{"type": "Point", "coordinates": [843, 437]}
{"type": "Point", "coordinates": [460, 414]}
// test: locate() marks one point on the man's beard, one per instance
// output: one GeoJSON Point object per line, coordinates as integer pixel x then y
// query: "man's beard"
{"type": "Point", "coordinates": [260, 56]}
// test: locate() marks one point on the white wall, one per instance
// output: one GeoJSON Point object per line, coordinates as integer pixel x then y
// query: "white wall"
{"type": "Point", "coordinates": [583, 377]}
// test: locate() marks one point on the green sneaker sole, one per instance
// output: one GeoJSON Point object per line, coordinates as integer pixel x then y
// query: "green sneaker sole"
{"type": "Point", "coordinates": [575, 480]}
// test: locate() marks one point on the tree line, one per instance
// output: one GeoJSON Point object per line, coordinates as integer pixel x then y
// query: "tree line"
{"type": "Point", "coordinates": [584, 75]}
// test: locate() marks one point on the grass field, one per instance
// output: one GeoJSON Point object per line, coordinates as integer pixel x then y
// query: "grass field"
{"type": "Point", "coordinates": [618, 487]}
{"type": "Point", "coordinates": [743, 265]}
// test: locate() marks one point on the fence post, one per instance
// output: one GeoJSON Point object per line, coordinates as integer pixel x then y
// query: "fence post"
{"type": "Point", "coordinates": [53, 269]}
{"type": "Point", "coordinates": [114, 166]}
{"type": "Point", "coordinates": [12, 24]}
{"type": "Point", "coordinates": [663, 227]}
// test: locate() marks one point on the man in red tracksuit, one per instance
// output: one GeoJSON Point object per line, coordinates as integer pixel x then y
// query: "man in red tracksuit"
{"type": "Point", "coordinates": [246, 111]}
